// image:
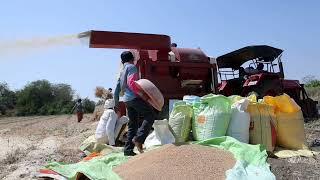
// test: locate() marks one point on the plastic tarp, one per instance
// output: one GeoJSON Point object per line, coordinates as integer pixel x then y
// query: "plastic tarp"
{"type": "Point", "coordinates": [251, 162]}
{"type": "Point", "coordinates": [211, 117]}
{"type": "Point", "coordinates": [245, 171]}
{"type": "Point", "coordinates": [180, 121]}
{"type": "Point", "coordinates": [251, 159]}
{"type": "Point", "coordinates": [91, 145]}
{"type": "Point", "coordinates": [99, 168]}
{"type": "Point", "coordinates": [253, 154]}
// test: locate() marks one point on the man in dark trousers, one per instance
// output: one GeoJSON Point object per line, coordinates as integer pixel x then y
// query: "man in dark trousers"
{"type": "Point", "coordinates": [135, 106]}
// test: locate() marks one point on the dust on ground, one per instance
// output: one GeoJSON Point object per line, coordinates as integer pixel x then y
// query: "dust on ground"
{"type": "Point", "coordinates": [28, 143]}
{"type": "Point", "coordinates": [299, 167]}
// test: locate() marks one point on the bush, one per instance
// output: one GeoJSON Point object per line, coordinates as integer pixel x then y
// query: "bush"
{"type": "Point", "coordinates": [311, 82]}
{"type": "Point", "coordinates": [7, 98]}
{"type": "Point", "coordinates": [312, 86]}
{"type": "Point", "coordinates": [88, 105]}
{"type": "Point", "coordinates": [43, 98]}
{"type": "Point", "coordinates": [34, 98]}
{"type": "Point", "coordinates": [313, 93]}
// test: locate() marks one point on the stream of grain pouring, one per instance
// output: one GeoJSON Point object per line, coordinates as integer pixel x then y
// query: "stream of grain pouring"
{"type": "Point", "coordinates": [21, 46]}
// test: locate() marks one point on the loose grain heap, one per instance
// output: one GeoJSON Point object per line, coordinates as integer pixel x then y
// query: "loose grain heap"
{"type": "Point", "coordinates": [178, 162]}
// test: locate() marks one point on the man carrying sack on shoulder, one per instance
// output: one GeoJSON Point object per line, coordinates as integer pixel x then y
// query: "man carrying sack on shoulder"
{"type": "Point", "coordinates": [135, 105]}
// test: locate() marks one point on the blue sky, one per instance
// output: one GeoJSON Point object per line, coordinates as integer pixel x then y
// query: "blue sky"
{"type": "Point", "coordinates": [217, 27]}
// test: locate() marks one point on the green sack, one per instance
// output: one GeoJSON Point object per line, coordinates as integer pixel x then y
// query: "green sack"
{"type": "Point", "coordinates": [211, 117]}
{"type": "Point", "coordinates": [180, 121]}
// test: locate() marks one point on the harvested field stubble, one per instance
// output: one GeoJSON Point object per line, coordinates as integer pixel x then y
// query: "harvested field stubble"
{"type": "Point", "coordinates": [178, 162]}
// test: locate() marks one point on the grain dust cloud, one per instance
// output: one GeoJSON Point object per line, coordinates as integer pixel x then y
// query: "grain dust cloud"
{"type": "Point", "coordinates": [35, 44]}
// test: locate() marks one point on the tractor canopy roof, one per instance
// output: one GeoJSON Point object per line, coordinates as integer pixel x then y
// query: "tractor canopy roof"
{"type": "Point", "coordinates": [236, 58]}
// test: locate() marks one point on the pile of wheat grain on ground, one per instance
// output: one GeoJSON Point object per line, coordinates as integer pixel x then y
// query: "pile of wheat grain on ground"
{"type": "Point", "coordinates": [171, 161]}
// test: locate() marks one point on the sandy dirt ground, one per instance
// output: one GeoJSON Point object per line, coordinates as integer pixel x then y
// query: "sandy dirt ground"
{"type": "Point", "coordinates": [299, 168]}
{"type": "Point", "coordinates": [28, 143]}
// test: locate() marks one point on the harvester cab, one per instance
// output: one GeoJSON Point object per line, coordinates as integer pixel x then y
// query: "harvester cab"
{"type": "Point", "coordinates": [259, 70]}
{"type": "Point", "coordinates": [252, 69]}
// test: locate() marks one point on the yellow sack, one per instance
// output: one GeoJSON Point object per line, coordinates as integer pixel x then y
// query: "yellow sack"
{"type": "Point", "coordinates": [282, 103]}
{"type": "Point", "coordinates": [236, 98]}
{"type": "Point", "coordinates": [290, 130]}
{"type": "Point", "coordinates": [252, 98]}
{"type": "Point", "coordinates": [262, 125]}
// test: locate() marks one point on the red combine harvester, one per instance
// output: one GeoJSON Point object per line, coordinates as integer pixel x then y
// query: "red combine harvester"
{"type": "Point", "coordinates": [188, 71]}
{"type": "Point", "coordinates": [175, 71]}
{"type": "Point", "coordinates": [259, 70]}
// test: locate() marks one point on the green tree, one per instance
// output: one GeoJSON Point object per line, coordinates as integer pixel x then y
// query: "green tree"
{"type": "Point", "coordinates": [44, 98]}
{"type": "Point", "coordinates": [311, 81]}
{"type": "Point", "coordinates": [88, 105]}
{"type": "Point", "coordinates": [7, 98]}
{"type": "Point", "coordinates": [63, 95]}
{"type": "Point", "coordinates": [35, 98]}
{"type": "Point", "coordinates": [312, 87]}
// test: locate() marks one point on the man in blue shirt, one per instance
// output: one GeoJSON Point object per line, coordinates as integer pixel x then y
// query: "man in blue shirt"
{"type": "Point", "coordinates": [135, 106]}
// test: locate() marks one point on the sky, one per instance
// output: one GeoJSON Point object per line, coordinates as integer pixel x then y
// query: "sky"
{"type": "Point", "coordinates": [217, 27]}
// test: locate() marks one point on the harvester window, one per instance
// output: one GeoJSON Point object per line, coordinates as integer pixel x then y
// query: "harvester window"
{"type": "Point", "coordinates": [229, 73]}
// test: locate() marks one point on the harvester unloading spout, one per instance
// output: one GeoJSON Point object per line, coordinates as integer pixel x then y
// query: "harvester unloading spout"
{"type": "Point", "coordinates": [157, 44]}
{"type": "Point", "coordinates": [84, 34]}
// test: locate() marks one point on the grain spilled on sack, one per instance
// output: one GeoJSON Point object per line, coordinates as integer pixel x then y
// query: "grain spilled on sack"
{"type": "Point", "coordinates": [178, 162]}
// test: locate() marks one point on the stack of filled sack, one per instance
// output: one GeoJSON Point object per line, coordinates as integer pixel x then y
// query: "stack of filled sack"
{"type": "Point", "coordinates": [269, 121]}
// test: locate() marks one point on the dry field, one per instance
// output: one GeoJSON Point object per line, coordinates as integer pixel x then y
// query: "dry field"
{"type": "Point", "coordinates": [27, 143]}
{"type": "Point", "coordinates": [299, 167]}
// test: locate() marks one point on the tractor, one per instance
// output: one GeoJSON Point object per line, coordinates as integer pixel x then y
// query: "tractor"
{"type": "Point", "coordinates": [259, 70]}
